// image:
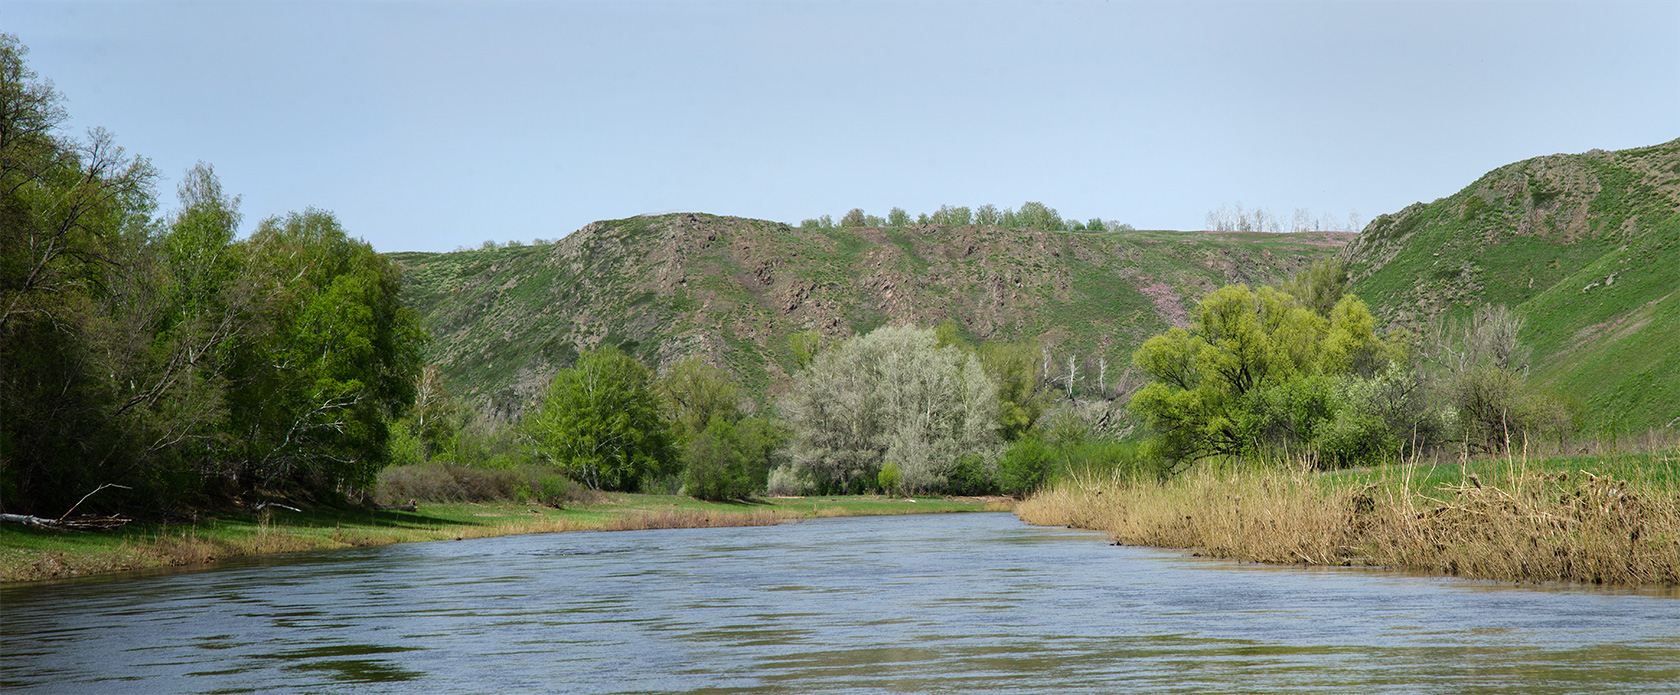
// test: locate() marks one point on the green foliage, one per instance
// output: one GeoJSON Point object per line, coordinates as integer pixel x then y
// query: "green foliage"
{"type": "Point", "coordinates": [1245, 376]}
{"type": "Point", "coordinates": [75, 325]}
{"type": "Point", "coordinates": [949, 333]}
{"type": "Point", "coordinates": [731, 459]}
{"type": "Point", "coordinates": [698, 393]}
{"type": "Point", "coordinates": [482, 442]}
{"type": "Point", "coordinates": [600, 423]}
{"type": "Point", "coordinates": [717, 464]}
{"type": "Point", "coordinates": [890, 479]}
{"type": "Point", "coordinates": [805, 345]}
{"type": "Point", "coordinates": [1099, 458]}
{"type": "Point", "coordinates": [167, 356]}
{"type": "Point", "coordinates": [1036, 215]}
{"type": "Point", "coordinates": [403, 447]}
{"type": "Point", "coordinates": [1319, 286]}
{"type": "Point", "coordinates": [897, 217]}
{"type": "Point", "coordinates": [1021, 397]}
{"type": "Point", "coordinates": [435, 419]}
{"type": "Point", "coordinates": [949, 215]}
{"type": "Point", "coordinates": [1026, 466]}
{"type": "Point", "coordinates": [339, 356]}
{"type": "Point", "coordinates": [853, 218]}
{"type": "Point", "coordinates": [973, 475]}
{"type": "Point", "coordinates": [1357, 438]}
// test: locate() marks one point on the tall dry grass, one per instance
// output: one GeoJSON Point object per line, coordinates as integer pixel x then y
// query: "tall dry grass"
{"type": "Point", "coordinates": [1528, 526]}
{"type": "Point", "coordinates": [693, 518]}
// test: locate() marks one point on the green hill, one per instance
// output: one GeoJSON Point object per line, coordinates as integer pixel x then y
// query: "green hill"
{"type": "Point", "coordinates": [733, 290]}
{"type": "Point", "coordinates": [1586, 247]}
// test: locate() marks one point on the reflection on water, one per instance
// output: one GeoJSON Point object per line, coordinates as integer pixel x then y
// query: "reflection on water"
{"type": "Point", "coordinates": [941, 603]}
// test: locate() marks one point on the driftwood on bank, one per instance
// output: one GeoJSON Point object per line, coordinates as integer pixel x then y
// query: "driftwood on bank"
{"type": "Point", "coordinates": [80, 523]}
{"type": "Point", "coordinates": [84, 522]}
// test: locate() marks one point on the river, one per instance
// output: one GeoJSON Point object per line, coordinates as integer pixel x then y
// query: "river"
{"type": "Point", "coordinates": [929, 603]}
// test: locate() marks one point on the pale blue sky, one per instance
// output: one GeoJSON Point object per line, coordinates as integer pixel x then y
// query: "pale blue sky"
{"type": "Point", "coordinates": [426, 126]}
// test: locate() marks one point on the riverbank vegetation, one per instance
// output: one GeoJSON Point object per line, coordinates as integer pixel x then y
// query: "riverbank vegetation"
{"type": "Point", "coordinates": [1600, 520]}
{"type": "Point", "coordinates": [1295, 435]}
{"type": "Point", "coordinates": [164, 362]}
{"type": "Point", "coordinates": [28, 554]}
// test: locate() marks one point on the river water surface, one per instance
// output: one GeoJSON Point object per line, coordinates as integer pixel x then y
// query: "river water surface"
{"type": "Point", "coordinates": [932, 603]}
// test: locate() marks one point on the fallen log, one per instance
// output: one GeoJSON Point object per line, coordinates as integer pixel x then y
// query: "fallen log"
{"type": "Point", "coordinates": [81, 523]}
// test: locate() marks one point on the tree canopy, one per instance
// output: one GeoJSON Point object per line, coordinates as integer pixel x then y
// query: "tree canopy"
{"type": "Point", "coordinates": [600, 422]}
{"type": "Point", "coordinates": [891, 395]}
{"type": "Point", "coordinates": [1245, 347]}
{"type": "Point", "coordinates": [166, 356]}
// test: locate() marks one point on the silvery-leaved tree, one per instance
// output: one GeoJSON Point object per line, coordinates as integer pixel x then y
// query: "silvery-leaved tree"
{"type": "Point", "coordinates": [896, 396]}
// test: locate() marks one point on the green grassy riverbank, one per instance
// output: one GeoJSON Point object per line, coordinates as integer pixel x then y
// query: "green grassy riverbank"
{"type": "Point", "coordinates": [33, 554]}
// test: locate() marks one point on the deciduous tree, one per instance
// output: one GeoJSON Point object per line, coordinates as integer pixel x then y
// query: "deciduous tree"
{"type": "Point", "coordinates": [1209, 382]}
{"type": "Point", "coordinates": [600, 422]}
{"type": "Point", "coordinates": [892, 394]}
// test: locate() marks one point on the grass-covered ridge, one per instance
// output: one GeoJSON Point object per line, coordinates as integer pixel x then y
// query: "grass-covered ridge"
{"type": "Point", "coordinates": [732, 290]}
{"type": "Point", "coordinates": [1585, 247]}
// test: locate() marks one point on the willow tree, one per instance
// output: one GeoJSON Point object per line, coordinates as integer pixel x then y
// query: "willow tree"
{"type": "Point", "coordinates": [1255, 370]}
{"type": "Point", "coordinates": [892, 395]}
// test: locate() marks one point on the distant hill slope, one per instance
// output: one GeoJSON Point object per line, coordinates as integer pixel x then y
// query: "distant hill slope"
{"type": "Point", "coordinates": [733, 290]}
{"type": "Point", "coordinates": [1585, 246]}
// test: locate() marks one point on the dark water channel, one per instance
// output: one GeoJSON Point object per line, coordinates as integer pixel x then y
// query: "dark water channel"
{"type": "Point", "coordinates": [936, 603]}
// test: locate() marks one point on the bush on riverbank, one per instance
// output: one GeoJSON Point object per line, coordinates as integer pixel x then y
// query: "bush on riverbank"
{"type": "Point", "coordinates": [439, 482]}
{"type": "Point", "coordinates": [1503, 520]}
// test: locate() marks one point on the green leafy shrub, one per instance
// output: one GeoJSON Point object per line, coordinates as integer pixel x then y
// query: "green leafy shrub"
{"type": "Point", "coordinates": [1355, 438]}
{"type": "Point", "coordinates": [971, 476]}
{"type": "Point", "coordinates": [889, 478]}
{"type": "Point", "coordinates": [1025, 467]}
{"type": "Point", "coordinates": [1104, 458]}
{"type": "Point", "coordinates": [440, 482]}
{"type": "Point", "coordinates": [717, 464]}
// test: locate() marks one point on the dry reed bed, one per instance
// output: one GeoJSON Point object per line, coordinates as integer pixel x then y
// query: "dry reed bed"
{"type": "Point", "coordinates": [1533, 526]}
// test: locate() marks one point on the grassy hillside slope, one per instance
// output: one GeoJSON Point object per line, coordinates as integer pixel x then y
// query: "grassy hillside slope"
{"type": "Point", "coordinates": [1586, 247]}
{"type": "Point", "coordinates": [732, 290]}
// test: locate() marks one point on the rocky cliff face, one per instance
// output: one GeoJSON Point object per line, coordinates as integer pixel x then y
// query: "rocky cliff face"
{"type": "Point", "coordinates": [732, 291]}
